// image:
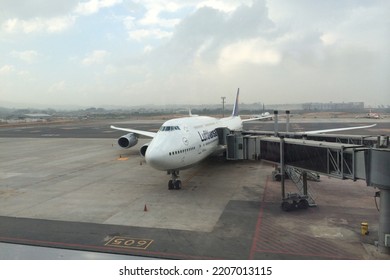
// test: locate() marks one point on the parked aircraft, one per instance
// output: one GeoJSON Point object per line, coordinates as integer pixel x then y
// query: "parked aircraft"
{"type": "Point", "coordinates": [371, 115]}
{"type": "Point", "coordinates": [263, 116]}
{"type": "Point", "coordinates": [181, 143]}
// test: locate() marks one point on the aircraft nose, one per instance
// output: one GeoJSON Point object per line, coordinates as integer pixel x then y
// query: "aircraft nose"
{"type": "Point", "coordinates": [155, 158]}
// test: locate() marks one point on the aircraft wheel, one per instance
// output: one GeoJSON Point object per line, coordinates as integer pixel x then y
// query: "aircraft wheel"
{"type": "Point", "coordinates": [170, 185]}
{"type": "Point", "coordinates": [178, 185]}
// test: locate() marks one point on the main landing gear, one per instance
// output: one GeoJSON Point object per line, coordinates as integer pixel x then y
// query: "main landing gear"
{"type": "Point", "coordinates": [174, 183]}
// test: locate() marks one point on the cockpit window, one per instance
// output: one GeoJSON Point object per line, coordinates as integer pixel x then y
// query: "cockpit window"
{"type": "Point", "coordinates": [169, 128]}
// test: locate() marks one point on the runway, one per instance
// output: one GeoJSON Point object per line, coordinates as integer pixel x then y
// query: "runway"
{"type": "Point", "coordinates": [68, 186]}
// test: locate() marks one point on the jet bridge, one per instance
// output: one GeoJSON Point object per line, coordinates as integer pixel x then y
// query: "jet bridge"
{"type": "Point", "coordinates": [341, 156]}
{"type": "Point", "coordinates": [380, 141]}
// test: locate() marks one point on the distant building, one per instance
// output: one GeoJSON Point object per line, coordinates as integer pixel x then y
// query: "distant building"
{"type": "Point", "coordinates": [38, 116]}
{"type": "Point", "coordinates": [345, 106]}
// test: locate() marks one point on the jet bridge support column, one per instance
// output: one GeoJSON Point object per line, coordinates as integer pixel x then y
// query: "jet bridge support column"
{"type": "Point", "coordinates": [276, 123]}
{"type": "Point", "coordinates": [377, 175]}
{"type": "Point", "coordinates": [304, 181]}
{"type": "Point", "coordinates": [287, 121]}
{"type": "Point", "coordinates": [384, 221]}
{"type": "Point", "coordinates": [282, 171]}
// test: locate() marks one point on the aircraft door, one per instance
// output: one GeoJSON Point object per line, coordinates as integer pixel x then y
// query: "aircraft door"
{"type": "Point", "coordinates": [200, 149]}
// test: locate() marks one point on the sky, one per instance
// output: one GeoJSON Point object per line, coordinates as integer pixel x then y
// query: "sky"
{"type": "Point", "coordinates": [131, 52]}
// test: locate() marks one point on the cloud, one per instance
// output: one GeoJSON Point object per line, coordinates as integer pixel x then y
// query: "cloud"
{"type": "Point", "coordinates": [141, 34]}
{"type": "Point", "coordinates": [210, 35]}
{"type": "Point", "coordinates": [57, 87]}
{"type": "Point", "coordinates": [329, 39]}
{"type": "Point", "coordinates": [157, 20]}
{"type": "Point", "coordinates": [224, 6]}
{"type": "Point", "coordinates": [6, 69]}
{"type": "Point", "coordinates": [253, 51]}
{"type": "Point", "coordinates": [153, 18]}
{"type": "Point", "coordinates": [49, 25]}
{"type": "Point", "coordinates": [48, 16]}
{"type": "Point", "coordinates": [27, 9]}
{"type": "Point", "coordinates": [95, 57]}
{"type": "Point", "coordinates": [28, 56]}
{"type": "Point", "coordinates": [157, 49]}
{"type": "Point", "coordinates": [93, 6]}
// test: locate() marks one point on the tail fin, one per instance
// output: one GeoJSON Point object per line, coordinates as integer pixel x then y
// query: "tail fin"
{"type": "Point", "coordinates": [235, 108]}
{"type": "Point", "coordinates": [190, 113]}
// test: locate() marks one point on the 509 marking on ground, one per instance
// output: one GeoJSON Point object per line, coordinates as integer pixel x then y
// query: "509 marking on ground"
{"type": "Point", "coordinates": [129, 242]}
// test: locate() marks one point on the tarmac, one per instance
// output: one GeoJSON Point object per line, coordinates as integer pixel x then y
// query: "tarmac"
{"type": "Point", "coordinates": [84, 193]}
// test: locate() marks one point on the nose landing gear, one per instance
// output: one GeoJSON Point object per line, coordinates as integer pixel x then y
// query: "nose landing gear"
{"type": "Point", "coordinates": [174, 183]}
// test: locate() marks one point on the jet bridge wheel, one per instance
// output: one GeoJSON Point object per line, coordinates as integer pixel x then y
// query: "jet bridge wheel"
{"type": "Point", "coordinates": [287, 206]}
{"type": "Point", "coordinates": [303, 204]}
{"type": "Point", "coordinates": [170, 185]}
{"type": "Point", "coordinates": [293, 202]}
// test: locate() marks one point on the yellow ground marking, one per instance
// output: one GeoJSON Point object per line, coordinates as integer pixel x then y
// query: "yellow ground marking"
{"type": "Point", "coordinates": [122, 158]}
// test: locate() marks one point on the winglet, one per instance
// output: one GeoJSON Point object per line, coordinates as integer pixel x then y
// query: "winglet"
{"type": "Point", "coordinates": [235, 108]}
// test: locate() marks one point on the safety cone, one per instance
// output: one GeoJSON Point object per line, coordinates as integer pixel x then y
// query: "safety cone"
{"type": "Point", "coordinates": [145, 208]}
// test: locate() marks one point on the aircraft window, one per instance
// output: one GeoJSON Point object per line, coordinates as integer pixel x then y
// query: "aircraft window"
{"type": "Point", "coordinates": [169, 128]}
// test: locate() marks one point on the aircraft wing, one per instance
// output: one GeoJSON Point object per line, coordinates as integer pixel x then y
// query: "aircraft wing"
{"type": "Point", "coordinates": [337, 129]}
{"type": "Point", "coordinates": [257, 118]}
{"type": "Point", "coordinates": [137, 132]}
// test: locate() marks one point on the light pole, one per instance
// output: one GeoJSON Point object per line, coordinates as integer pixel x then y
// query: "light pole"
{"type": "Point", "coordinates": [223, 106]}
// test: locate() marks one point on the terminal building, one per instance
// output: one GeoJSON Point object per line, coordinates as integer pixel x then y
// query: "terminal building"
{"type": "Point", "coordinates": [348, 106]}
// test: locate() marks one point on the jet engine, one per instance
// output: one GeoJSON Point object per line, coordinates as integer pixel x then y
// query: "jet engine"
{"type": "Point", "coordinates": [128, 141]}
{"type": "Point", "coordinates": [143, 149]}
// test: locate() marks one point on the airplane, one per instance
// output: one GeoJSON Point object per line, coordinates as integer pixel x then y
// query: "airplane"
{"type": "Point", "coordinates": [371, 115]}
{"type": "Point", "coordinates": [183, 142]}
{"type": "Point", "coordinates": [263, 116]}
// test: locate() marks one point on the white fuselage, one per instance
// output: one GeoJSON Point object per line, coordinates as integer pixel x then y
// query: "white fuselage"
{"type": "Point", "coordinates": [183, 142]}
